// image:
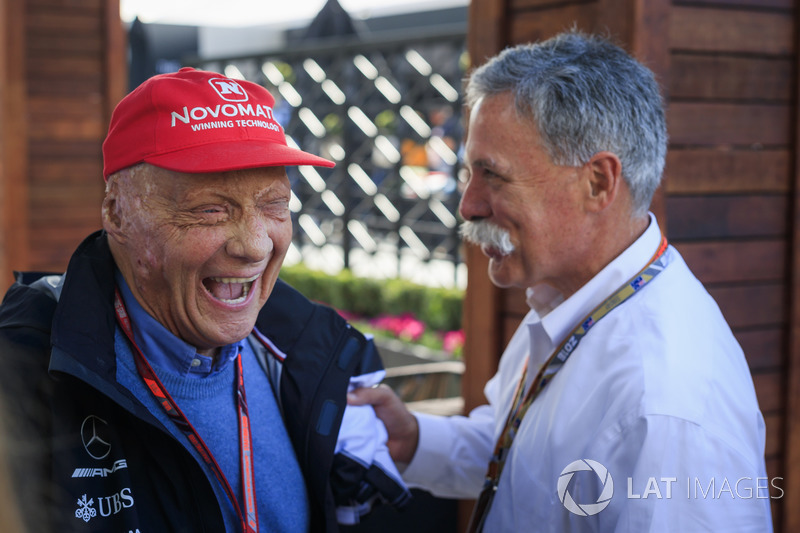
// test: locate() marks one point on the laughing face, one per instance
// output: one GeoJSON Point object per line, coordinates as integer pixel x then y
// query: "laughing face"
{"type": "Point", "coordinates": [201, 252]}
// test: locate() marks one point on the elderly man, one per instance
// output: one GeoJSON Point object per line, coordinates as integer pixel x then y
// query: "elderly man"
{"type": "Point", "coordinates": [176, 400]}
{"type": "Point", "coordinates": [623, 402]}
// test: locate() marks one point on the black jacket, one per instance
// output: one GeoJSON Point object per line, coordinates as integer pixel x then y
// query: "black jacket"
{"type": "Point", "coordinates": [76, 435]}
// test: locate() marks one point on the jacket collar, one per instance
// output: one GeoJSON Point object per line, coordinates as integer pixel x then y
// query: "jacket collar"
{"type": "Point", "coordinates": [84, 324]}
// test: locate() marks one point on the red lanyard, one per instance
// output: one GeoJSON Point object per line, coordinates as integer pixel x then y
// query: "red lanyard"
{"type": "Point", "coordinates": [553, 364]}
{"type": "Point", "coordinates": [160, 393]}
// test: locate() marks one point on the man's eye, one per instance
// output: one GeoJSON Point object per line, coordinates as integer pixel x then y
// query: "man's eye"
{"type": "Point", "coordinates": [277, 206]}
{"type": "Point", "coordinates": [210, 214]}
{"type": "Point", "coordinates": [211, 210]}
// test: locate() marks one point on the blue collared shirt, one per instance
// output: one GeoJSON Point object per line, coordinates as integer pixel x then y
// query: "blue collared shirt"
{"type": "Point", "coordinates": [165, 350]}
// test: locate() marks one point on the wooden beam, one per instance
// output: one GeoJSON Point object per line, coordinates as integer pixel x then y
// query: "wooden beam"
{"type": "Point", "coordinates": [764, 348]}
{"type": "Point", "coordinates": [486, 37]}
{"type": "Point", "coordinates": [540, 24]}
{"type": "Point", "coordinates": [482, 342]}
{"type": "Point", "coordinates": [727, 170]}
{"type": "Point", "coordinates": [790, 515]}
{"type": "Point", "coordinates": [482, 310]}
{"type": "Point", "coordinates": [736, 261]}
{"type": "Point", "coordinates": [707, 76]}
{"type": "Point", "coordinates": [116, 60]}
{"type": "Point", "coordinates": [700, 217]}
{"type": "Point", "coordinates": [481, 320]}
{"type": "Point", "coordinates": [14, 242]}
{"type": "Point", "coordinates": [730, 125]}
{"type": "Point", "coordinates": [712, 29]}
{"type": "Point", "coordinates": [766, 304]}
{"type": "Point", "coordinates": [486, 32]}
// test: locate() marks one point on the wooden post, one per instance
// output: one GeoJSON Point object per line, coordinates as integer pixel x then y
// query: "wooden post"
{"type": "Point", "coordinates": [481, 315]}
{"type": "Point", "coordinates": [116, 60]}
{"type": "Point", "coordinates": [789, 515]}
{"type": "Point", "coordinates": [486, 33]}
{"type": "Point", "coordinates": [481, 318]}
{"type": "Point", "coordinates": [14, 241]}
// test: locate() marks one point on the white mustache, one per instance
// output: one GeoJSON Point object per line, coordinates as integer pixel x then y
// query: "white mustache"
{"type": "Point", "coordinates": [485, 233]}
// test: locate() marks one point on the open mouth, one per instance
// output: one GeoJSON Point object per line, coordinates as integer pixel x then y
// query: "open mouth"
{"type": "Point", "coordinates": [230, 290]}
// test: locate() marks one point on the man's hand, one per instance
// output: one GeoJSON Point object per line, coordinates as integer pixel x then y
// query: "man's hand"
{"type": "Point", "coordinates": [400, 423]}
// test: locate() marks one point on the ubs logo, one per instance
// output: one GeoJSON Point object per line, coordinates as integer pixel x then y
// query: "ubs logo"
{"type": "Point", "coordinates": [95, 437]}
{"type": "Point", "coordinates": [228, 90]}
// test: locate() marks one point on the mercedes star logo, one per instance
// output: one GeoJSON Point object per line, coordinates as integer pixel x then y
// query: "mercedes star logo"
{"type": "Point", "coordinates": [91, 430]}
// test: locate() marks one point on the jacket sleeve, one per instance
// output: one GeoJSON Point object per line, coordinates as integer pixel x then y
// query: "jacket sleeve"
{"type": "Point", "coordinates": [341, 449]}
{"type": "Point", "coordinates": [363, 471]}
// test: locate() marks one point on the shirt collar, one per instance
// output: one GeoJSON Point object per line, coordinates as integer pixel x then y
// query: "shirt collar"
{"type": "Point", "coordinates": [559, 316]}
{"type": "Point", "coordinates": [163, 349]}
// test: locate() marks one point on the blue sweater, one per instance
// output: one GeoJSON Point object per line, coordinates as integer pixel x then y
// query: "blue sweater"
{"type": "Point", "coordinates": [206, 393]}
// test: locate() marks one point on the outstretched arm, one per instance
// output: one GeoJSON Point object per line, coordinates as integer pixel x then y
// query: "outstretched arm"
{"type": "Point", "coordinates": [446, 456]}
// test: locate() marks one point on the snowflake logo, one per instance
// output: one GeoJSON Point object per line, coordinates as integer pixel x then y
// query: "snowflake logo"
{"type": "Point", "coordinates": [85, 509]}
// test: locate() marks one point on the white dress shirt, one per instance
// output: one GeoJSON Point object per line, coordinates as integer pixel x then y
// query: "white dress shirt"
{"type": "Point", "coordinates": [658, 393]}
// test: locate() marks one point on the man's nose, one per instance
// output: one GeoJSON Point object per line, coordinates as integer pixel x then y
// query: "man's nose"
{"type": "Point", "coordinates": [474, 202]}
{"type": "Point", "coordinates": [250, 239]}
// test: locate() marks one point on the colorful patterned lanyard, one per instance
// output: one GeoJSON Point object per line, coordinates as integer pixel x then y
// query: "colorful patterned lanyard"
{"type": "Point", "coordinates": [162, 396]}
{"type": "Point", "coordinates": [553, 364]}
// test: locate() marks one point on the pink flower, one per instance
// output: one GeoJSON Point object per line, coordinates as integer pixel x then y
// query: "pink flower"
{"type": "Point", "coordinates": [453, 341]}
{"type": "Point", "coordinates": [404, 327]}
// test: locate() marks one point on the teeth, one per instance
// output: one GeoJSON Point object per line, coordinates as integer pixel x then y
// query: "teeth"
{"type": "Point", "coordinates": [236, 280]}
{"type": "Point", "coordinates": [245, 291]}
{"type": "Point", "coordinates": [237, 300]}
{"type": "Point", "coordinates": [245, 282]}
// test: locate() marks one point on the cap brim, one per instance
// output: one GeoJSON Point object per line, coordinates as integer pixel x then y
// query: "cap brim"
{"type": "Point", "coordinates": [234, 155]}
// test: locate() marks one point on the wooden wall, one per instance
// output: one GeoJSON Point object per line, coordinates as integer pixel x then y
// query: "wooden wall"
{"type": "Point", "coordinates": [730, 181]}
{"type": "Point", "coordinates": [62, 69]}
{"type": "Point", "coordinates": [729, 201]}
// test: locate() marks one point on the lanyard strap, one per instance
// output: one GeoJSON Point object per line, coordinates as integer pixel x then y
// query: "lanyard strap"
{"type": "Point", "coordinates": [523, 401]}
{"type": "Point", "coordinates": [249, 520]}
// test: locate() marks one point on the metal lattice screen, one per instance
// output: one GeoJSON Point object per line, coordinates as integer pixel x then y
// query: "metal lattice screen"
{"type": "Point", "coordinates": [389, 114]}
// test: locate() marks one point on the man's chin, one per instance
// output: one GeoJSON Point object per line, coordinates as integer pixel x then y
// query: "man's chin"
{"type": "Point", "coordinates": [220, 333]}
{"type": "Point", "coordinates": [498, 274]}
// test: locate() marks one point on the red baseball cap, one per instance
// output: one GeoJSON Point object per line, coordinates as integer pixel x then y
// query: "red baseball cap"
{"type": "Point", "coordinates": [197, 121]}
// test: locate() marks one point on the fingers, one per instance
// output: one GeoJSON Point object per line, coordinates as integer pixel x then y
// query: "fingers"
{"type": "Point", "coordinates": [376, 396]}
{"type": "Point", "coordinates": [401, 425]}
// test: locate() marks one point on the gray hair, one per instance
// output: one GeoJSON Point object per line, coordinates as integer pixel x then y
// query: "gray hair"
{"type": "Point", "coordinates": [584, 95]}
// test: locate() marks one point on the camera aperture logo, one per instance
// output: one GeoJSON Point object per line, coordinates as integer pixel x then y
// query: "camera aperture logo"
{"type": "Point", "coordinates": [604, 478]}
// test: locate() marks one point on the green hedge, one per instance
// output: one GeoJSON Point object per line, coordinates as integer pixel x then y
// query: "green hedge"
{"type": "Point", "coordinates": [439, 309]}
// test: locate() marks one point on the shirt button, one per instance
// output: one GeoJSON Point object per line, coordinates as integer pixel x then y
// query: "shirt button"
{"type": "Point", "coordinates": [196, 362]}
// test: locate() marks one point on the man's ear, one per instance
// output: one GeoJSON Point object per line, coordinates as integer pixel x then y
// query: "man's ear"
{"type": "Point", "coordinates": [605, 180]}
{"type": "Point", "coordinates": [112, 218]}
